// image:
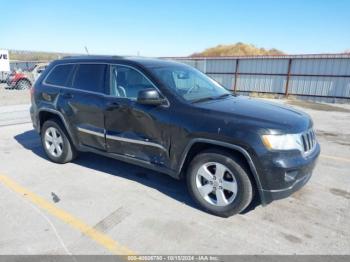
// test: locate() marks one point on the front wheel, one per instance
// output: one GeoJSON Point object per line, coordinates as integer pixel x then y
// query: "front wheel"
{"type": "Point", "coordinates": [219, 183]}
{"type": "Point", "coordinates": [23, 84]}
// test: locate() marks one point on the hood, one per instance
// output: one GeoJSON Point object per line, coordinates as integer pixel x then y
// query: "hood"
{"type": "Point", "coordinates": [267, 115]}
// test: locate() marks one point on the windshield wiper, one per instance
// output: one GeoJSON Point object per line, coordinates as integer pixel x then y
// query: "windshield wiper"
{"type": "Point", "coordinates": [222, 96]}
{"type": "Point", "coordinates": [210, 98]}
{"type": "Point", "coordinates": [202, 99]}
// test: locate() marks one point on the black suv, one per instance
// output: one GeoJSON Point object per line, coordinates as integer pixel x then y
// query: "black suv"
{"type": "Point", "coordinates": [171, 118]}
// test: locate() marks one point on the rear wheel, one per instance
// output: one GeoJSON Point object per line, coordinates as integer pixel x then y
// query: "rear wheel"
{"type": "Point", "coordinates": [56, 143]}
{"type": "Point", "coordinates": [23, 84]}
{"type": "Point", "coordinates": [219, 183]}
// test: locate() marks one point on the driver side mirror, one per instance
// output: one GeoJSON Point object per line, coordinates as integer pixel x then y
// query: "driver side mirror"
{"type": "Point", "coordinates": [150, 96]}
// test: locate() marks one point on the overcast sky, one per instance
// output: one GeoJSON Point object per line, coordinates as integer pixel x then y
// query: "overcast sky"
{"type": "Point", "coordinates": [174, 28]}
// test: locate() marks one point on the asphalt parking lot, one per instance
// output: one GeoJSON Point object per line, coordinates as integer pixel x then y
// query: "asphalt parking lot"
{"type": "Point", "coordinates": [97, 205]}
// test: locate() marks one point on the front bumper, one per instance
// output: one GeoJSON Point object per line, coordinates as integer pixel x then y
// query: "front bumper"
{"type": "Point", "coordinates": [284, 175]}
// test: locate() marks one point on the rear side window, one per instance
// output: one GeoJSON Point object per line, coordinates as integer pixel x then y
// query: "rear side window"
{"type": "Point", "coordinates": [90, 77]}
{"type": "Point", "coordinates": [59, 75]}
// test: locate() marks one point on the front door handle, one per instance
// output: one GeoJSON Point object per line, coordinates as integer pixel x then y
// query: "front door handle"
{"type": "Point", "coordinates": [112, 105]}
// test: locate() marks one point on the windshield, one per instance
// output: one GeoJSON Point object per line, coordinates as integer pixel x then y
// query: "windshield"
{"type": "Point", "coordinates": [189, 83]}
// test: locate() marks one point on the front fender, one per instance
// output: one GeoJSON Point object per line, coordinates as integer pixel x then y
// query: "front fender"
{"type": "Point", "coordinates": [234, 147]}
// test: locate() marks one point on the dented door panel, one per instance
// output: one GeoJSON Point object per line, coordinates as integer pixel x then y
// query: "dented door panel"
{"type": "Point", "coordinates": [137, 131]}
{"type": "Point", "coordinates": [85, 112]}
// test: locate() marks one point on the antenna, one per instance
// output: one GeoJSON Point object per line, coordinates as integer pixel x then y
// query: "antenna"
{"type": "Point", "coordinates": [86, 50]}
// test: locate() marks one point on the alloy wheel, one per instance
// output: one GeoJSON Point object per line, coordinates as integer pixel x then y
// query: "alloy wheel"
{"type": "Point", "coordinates": [22, 85]}
{"type": "Point", "coordinates": [53, 141]}
{"type": "Point", "coordinates": [216, 184]}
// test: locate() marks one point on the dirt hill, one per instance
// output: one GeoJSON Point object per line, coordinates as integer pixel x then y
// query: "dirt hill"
{"type": "Point", "coordinates": [238, 49]}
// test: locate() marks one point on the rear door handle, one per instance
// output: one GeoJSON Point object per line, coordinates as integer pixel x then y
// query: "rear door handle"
{"type": "Point", "coordinates": [67, 95]}
{"type": "Point", "coordinates": [112, 105]}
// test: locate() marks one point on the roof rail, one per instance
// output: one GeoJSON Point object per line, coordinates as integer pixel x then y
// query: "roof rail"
{"type": "Point", "coordinates": [93, 56]}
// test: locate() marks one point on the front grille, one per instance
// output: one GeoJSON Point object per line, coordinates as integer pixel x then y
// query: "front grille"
{"type": "Point", "coordinates": [309, 140]}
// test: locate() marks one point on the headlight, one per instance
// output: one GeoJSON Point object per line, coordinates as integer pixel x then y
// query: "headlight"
{"type": "Point", "coordinates": [283, 142]}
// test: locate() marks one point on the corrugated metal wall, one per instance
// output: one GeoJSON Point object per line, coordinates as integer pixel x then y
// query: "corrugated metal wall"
{"type": "Point", "coordinates": [319, 77]}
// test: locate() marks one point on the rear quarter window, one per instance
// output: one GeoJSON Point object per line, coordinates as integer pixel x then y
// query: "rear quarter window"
{"type": "Point", "coordinates": [90, 77]}
{"type": "Point", "coordinates": [59, 76]}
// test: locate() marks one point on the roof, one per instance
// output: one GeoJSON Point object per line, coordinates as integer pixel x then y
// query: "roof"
{"type": "Point", "coordinates": [143, 61]}
{"type": "Point", "coordinates": [94, 57]}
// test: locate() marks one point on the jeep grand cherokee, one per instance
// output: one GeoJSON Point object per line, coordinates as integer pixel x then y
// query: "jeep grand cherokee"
{"type": "Point", "coordinates": [171, 118]}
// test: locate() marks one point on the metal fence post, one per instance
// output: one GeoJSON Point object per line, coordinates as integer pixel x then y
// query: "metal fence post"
{"type": "Point", "coordinates": [236, 76]}
{"type": "Point", "coordinates": [288, 76]}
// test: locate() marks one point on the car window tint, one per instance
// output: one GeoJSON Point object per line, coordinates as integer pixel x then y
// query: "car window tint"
{"type": "Point", "coordinates": [59, 75]}
{"type": "Point", "coordinates": [90, 77]}
{"type": "Point", "coordinates": [127, 82]}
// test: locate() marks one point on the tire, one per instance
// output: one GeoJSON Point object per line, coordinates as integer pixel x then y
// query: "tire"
{"type": "Point", "coordinates": [60, 150]}
{"type": "Point", "coordinates": [229, 196]}
{"type": "Point", "coordinates": [23, 84]}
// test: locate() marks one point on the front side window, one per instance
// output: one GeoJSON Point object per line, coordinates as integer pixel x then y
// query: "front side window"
{"type": "Point", "coordinates": [90, 77]}
{"type": "Point", "coordinates": [189, 83]}
{"type": "Point", "coordinates": [59, 75]}
{"type": "Point", "coordinates": [126, 82]}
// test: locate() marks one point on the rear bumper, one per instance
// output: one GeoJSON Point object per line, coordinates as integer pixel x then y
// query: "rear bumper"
{"type": "Point", "coordinates": [34, 119]}
{"type": "Point", "coordinates": [288, 178]}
